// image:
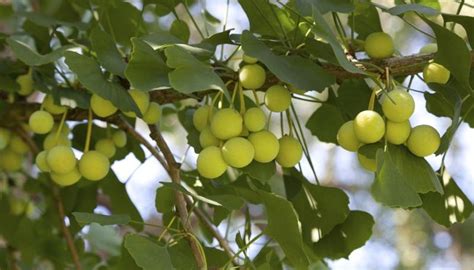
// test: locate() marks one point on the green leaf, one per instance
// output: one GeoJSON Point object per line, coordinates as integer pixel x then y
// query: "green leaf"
{"type": "Point", "coordinates": [87, 218]}
{"type": "Point", "coordinates": [146, 253]}
{"type": "Point", "coordinates": [180, 29]}
{"type": "Point", "coordinates": [186, 119]}
{"type": "Point", "coordinates": [260, 171]}
{"type": "Point", "coordinates": [466, 21]}
{"type": "Point", "coordinates": [190, 192]}
{"type": "Point", "coordinates": [326, 121]}
{"type": "Point", "coordinates": [401, 9]}
{"type": "Point", "coordinates": [28, 56]}
{"type": "Point", "coordinates": [164, 200]}
{"type": "Point", "coordinates": [104, 239]}
{"type": "Point", "coordinates": [146, 69]}
{"type": "Point", "coordinates": [365, 19]}
{"type": "Point", "coordinates": [353, 97]}
{"type": "Point", "coordinates": [121, 19]}
{"type": "Point", "coordinates": [211, 18]}
{"type": "Point", "coordinates": [230, 202]}
{"type": "Point", "coordinates": [451, 207]}
{"type": "Point", "coordinates": [300, 72]}
{"type": "Point", "coordinates": [90, 75]}
{"type": "Point", "coordinates": [8, 84]}
{"type": "Point", "coordinates": [346, 237]}
{"type": "Point", "coordinates": [107, 53]}
{"type": "Point", "coordinates": [342, 6]}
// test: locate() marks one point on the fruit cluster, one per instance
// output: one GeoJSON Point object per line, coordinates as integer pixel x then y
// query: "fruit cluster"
{"type": "Point", "coordinates": [13, 150]}
{"type": "Point", "coordinates": [370, 127]}
{"type": "Point", "coordinates": [235, 139]}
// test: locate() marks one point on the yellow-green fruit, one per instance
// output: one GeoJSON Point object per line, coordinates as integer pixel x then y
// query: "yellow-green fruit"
{"type": "Point", "coordinates": [210, 163]}
{"type": "Point", "coordinates": [106, 147]}
{"type": "Point", "coordinates": [429, 48]}
{"type": "Point", "coordinates": [18, 146]}
{"type": "Point", "coordinates": [397, 133]}
{"type": "Point", "coordinates": [379, 45]}
{"type": "Point", "coordinates": [120, 138]}
{"type": "Point", "coordinates": [226, 123]}
{"type": "Point", "coordinates": [61, 159]}
{"type": "Point", "coordinates": [249, 59]}
{"type": "Point", "coordinates": [277, 98]}
{"type": "Point", "coordinates": [347, 138]}
{"type": "Point", "coordinates": [50, 106]}
{"type": "Point", "coordinates": [369, 126]}
{"type": "Point", "coordinates": [367, 163]}
{"type": "Point", "coordinates": [94, 166]}
{"type": "Point", "coordinates": [398, 106]}
{"type": "Point", "coordinates": [10, 161]}
{"type": "Point", "coordinates": [41, 162]}
{"type": "Point", "coordinates": [265, 144]}
{"type": "Point", "coordinates": [17, 206]}
{"type": "Point", "coordinates": [201, 117]}
{"type": "Point", "coordinates": [41, 122]}
{"type": "Point", "coordinates": [153, 114]}
{"type": "Point", "coordinates": [290, 152]}
{"type": "Point", "coordinates": [252, 76]}
{"type": "Point", "coordinates": [206, 138]}
{"type": "Point", "coordinates": [238, 152]}
{"type": "Point", "coordinates": [51, 141]}
{"type": "Point", "coordinates": [424, 140]}
{"type": "Point", "coordinates": [142, 99]}
{"type": "Point", "coordinates": [254, 119]}
{"type": "Point", "coordinates": [436, 73]}
{"type": "Point", "coordinates": [26, 84]}
{"type": "Point", "coordinates": [64, 129]}
{"type": "Point", "coordinates": [66, 179]}
{"type": "Point", "coordinates": [102, 107]}
{"type": "Point", "coordinates": [5, 136]}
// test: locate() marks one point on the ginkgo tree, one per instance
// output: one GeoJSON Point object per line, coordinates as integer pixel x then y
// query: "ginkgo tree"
{"type": "Point", "coordinates": [76, 77]}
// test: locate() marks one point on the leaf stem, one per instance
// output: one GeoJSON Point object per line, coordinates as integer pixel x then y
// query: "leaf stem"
{"type": "Point", "coordinates": [89, 132]}
{"type": "Point", "coordinates": [193, 20]}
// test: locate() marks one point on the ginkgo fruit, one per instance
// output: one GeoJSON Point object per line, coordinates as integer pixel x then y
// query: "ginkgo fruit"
{"type": "Point", "coordinates": [423, 141]}
{"type": "Point", "coordinates": [206, 138]}
{"type": "Point", "coordinates": [10, 161]}
{"type": "Point", "coordinates": [5, 136]}
{"type": "Point", "coordinates": [153, 114]}
{"type": "Point", "coordinates": [398, 105]}
{"type": "Point", "coordinates": [252, 76]}
{"type": "Point", "coordinates": [201, 117]}
{"type": "Point", "coordinates": [94, 165]}
{"type": "Point", "coordinates": [101, 106]}
{"type": "Point", "coordinates": [347, 138]}
{"type": "Point", "coordinates": [254, 119]}
{"type": "Point", "coordinates": [290, 152]}
{"type": "Point", "coordinates": [226, 123]}
{"type": "Point", "coordinates": [52, 140]}
{"type": "Point", "coordinates": [379, 45]}
{"type": "Point", "coordinates": [119, 138]}
{"type": "Point", "coordinates": [142, 99]}
{"type": "Point", "coordinates": [429, 48]}
{"type": "Point", "coordinates": [61, 159]}
{"type": "Point", "coordinates": [249, 59]}
{"type": "Point", "coordinates": [64, 129]}
{"type": "Point", "coordinates": [238, 152]}
{"type": "Point", "coordinates": [265, 144]}
{"type": "Point", "coordinates": [367, 163]}
{"type": "Point", "coordinates": [66, 179]}
{"type": "Point", "coordinates": [436, 73]}
{"type": "Point", "coordinates": [106, 147]}
{"type": "Point", "coordinates": [210, 162]}
{"type": "Point", "coordinates": [369, 126]}
{"type": "Point", "coordinates": [18, 145]}
{"type": "Point", "coordinates": [41, 162]}
{"type": "Point", "coordinates": [397, 132]}
{"type": "Point", "coordinates": [50, 106]}
{"type": "Point", "coordinates": [26, 83]}
{"type": "Point", "coordinates": [41, 122]}
{"type": "Point", "coordinates": [277, 98]}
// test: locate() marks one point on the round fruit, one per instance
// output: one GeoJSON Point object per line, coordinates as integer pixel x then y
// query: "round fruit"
{"type": "Point", "coordinates": [94, 165]}
{"type": "Point", "coordinates": [64, 130]}
{"type": "Point", "coordinates": [26, 84]}
{"type": "Point", "coordinates": [66, 179]}
{"type": "Point", "coordinates": [17, 145]}
{"type": "Point", "coordinates": [398, 106]}
{"type": "Point", "coordinates": [51, 107]}
{"type": "Point", "coordinates": [265, 144]}
{"type": "Point", "coordinates": [17, 206]}
{"type": "Point", "coordinates": [424, 140]}
{"type": "Point", "coordinates": [429, 48]}
{"type": "Point", "coordinates": [254, 119]}
{"type": "Point", "coordinates": [41, 162]}
{"type": "Point", "coordinates": [10, 161]}
{"type": "Point", "coordinates": [436, 73]}
{"type": "Point", "coordinates": [119, 138]}
{"type": "Point", "coordinates": [61, 159]}
{"type": "Point", "coordinates": [252, 76]}
{"type": "Point", "coordinates": [5, 136]}
{"type": "Point", "coordinates": [142, 99]}
{"type": "Point", "coordinates": [369, 126]}
{"type": "Point", "coordinates": [238, 152]}
{"type": "Point", "coordinates": [397, 133]}
{"type": "Point", "coordinates": [153, 114]}
{"type": "Point", "coordinates": [51, 141]}
{"type": "Point", "coordinates": [41, 122]}
{"type": "Point", "coordinates": [106, 147]}
{"type": "Point", "coordinates": [210, 163]}
{"type": "Point", "coordinates": [201, 117]}
{"type": "Point", "coordinates": [277, 98]}
{"type": "Point", "coordinates": [206, 138]}
{"type": "Point", "coordinates": [249, 59]}
{"type": "Point", "coordinates": [367, 163]}
{"type": "Point", "coordinates": [226, 123]}
{"type": "Point", "coordinates": [102, 107]}
{"type": "Point", "coordinates": [379, 45]}
{"type": "Point", "coordinates": [290, 152]}
{"type": "Point", "coordinates": [347, 138]}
